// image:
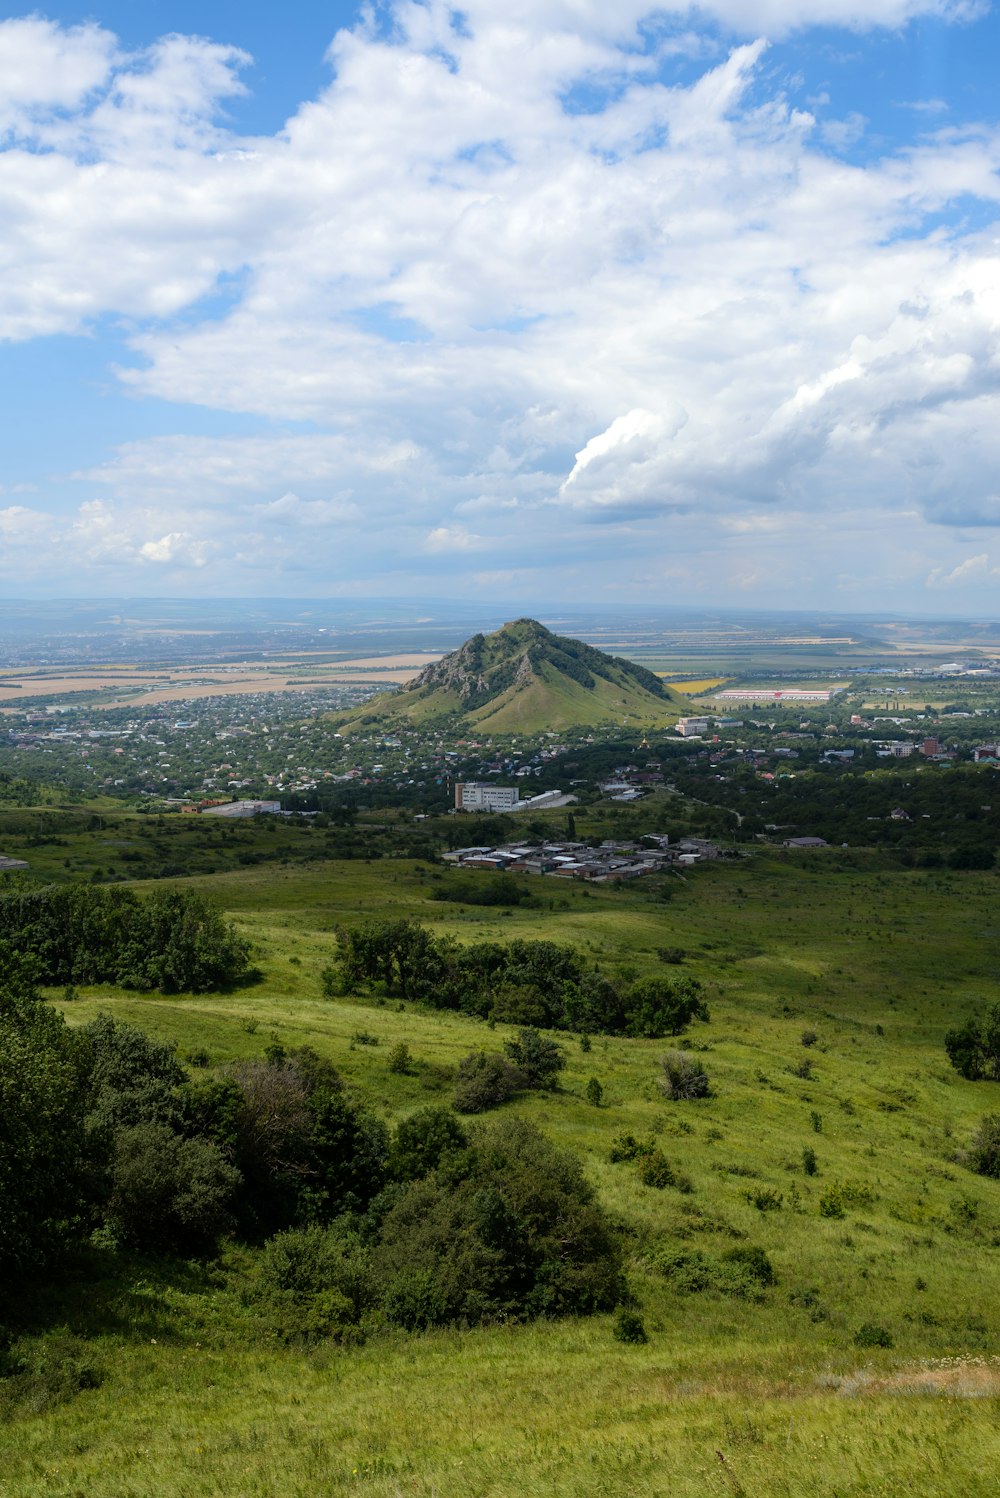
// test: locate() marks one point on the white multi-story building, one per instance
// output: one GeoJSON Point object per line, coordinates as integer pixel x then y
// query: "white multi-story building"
{"type": "Point", "coordinates": [690, 728]}
{"type": "Point", "coordinates": [474, 795]}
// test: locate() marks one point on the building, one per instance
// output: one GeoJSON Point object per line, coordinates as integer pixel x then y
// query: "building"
{"type": "Point", "coordinates": [242, 809]}
{"type": "Point", "coordinates": [474, 795]}
{"type": "Point", "coordinates": [690, 728]}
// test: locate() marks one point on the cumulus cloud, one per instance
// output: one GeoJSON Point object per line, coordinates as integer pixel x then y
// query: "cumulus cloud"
{"type": "Point", "coordinates": [971, 569]}
{"type": "Point", "coordinates": [453, 538]}
{"type": "Point", "coordinates": [445, 290]}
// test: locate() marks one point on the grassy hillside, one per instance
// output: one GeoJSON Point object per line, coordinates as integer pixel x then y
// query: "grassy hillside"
{"type": "Point", "coordinates": [768, 1394]}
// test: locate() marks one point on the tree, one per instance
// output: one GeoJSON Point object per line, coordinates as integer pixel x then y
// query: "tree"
{"type": "Point", "coordinates": [974, 1048]}
{"type": "Point", "coordinates": [539, 1060]}
{"type": "Point", "coordinates": [42, 1202]}
{"type": "Point", "coordinates": [664, 1006]}
{"type": "Point", "coordinates": [169, 1193]}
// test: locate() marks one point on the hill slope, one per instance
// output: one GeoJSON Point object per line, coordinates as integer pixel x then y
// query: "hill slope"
{"type": "Point", "coordinates": [523, 678]}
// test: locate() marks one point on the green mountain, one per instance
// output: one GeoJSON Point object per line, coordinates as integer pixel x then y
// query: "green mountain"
{"type": "Point", "coordinates": [523, 678]}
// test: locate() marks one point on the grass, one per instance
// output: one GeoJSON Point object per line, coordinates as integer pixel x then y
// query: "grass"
{"type": "Point", "coordinates": [732, 1394]}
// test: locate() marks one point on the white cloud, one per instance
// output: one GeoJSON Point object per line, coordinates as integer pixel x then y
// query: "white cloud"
{"type": "Point", "coordinates": [972, 569]}
{"type": "Point", "coordinates": [678, 302]}
{"type": "Point", "coordinates": [454, 538]}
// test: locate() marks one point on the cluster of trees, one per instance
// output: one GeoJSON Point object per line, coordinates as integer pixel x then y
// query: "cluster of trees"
{"type": "Point", "coordinates": [104, 1130]}
{"type": "Point", "coordinates": [536, 983]}
{"type": "Point", "coordinates": [974, 1048]}
{"type": "Point", "coordinates": [171, 940]}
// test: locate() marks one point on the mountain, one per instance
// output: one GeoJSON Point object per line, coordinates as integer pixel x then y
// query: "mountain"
{"type": "Point", "coordinates": [523, 678]}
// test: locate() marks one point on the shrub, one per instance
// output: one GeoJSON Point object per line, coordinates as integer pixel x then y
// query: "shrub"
{"type": "Point", "coordinates": [422, 1140]}
{"type": "Point", "coordinates": [485, 1080]}
{"type": "Point", "coordinates": [400, 1061]}
{"type": "Point", "coordinates": [629, 1328]}
{"type": "Point", "coordinates": [537, 1059]}
{"type": "Point", "coordinates": [41, 1135]}
{"type": "Point", "coordinates": [809, 1164]}
{"type": "Point", "coordinates": [310, 1283]}
{"type": "Point", "coordinates": [169, 1193]}
{"type": "Point", "coordinates": [684, 1077]}
{"type": "Point", "coordinates": [594, 1092]}
{"type": "Point", "coordinates": [872, 1334]}
{"type": "Point", "coordinates": [754, 1261]}
{"type": "Point", "coordinates": [984, 1150]}
{"type": "Point", "coordinates": [764, 1199]}
{"type": "Point", "coordinates": [974, 1048]}
{"type": "Point", "coordinates": [627, 1147]}
{"type": "Point", "coordinates": [664, 1006]}
{"type": "Point", "coordinates": [809, 1037]}
{"type": "Point", "coordinates": [831, 1203]}
{"type": "Point", "coordinates": [508, 1228]}
{"type": "Point", "coordinates": [655, 1170]}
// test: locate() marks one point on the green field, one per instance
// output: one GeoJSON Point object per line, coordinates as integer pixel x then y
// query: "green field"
{"type": "Point", "coordinates": [767, 1395]}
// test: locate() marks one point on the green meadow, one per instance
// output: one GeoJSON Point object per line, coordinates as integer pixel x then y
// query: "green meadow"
{"type": "Point", "coordinates": [871, 1364]}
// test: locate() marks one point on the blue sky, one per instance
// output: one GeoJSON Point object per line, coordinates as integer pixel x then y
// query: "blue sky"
{"type": "Point", "coordinates": [548, 302]}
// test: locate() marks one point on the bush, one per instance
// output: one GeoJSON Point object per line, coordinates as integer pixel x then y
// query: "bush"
{"type": "Point", "coordinates": [169, 1193]}
{"type": "Point", "coordinates": [627, 1147]}
{"type": "Point", "coordinates": [41, 1136]}
{"type": "Point", "coordinates": [485, 1080]}
{"type": "Point", "coordinates": [809, 1161]}
{"type": "Point", "coordinates": [422, 1140]}
{"type": "Point", "coordinates": [400, 1061]}
{"type": "Point", "coordinates": [684, 1077]}
{"type": "Point", "coordinates": [974, 1048]}
{"type": "Point", "coordinates": [872, 1334]}
{"type": "Point", "coordinates": [629, 1328]}
{"type": "Point", "coordinates": [984, 1151]}
{"type": "Point", "coordinates": [537, 1059]}
{"type": "Point", "coordinates": [506, 1228]}
{"type": "Point", "coordinates": [594, 1092]}
{"type": "Point", "coordinates": [655, 1170]}
{"type": "Point", "coordinates": [311, 1283]}
{"type": "Point", "coordinates": [664, 1006]}
{"type": "Point", "coordinates": [753, 1261]}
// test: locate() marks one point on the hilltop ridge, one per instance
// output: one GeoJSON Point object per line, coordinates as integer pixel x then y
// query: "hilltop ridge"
{"type": "Point", "coordinates": [523, 678]}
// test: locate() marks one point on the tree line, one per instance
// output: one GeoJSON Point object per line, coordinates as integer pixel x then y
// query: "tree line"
{"type": "Point", "coordinates": [520, 982]}
{"type": "Point", "coordinates": [171, 940]}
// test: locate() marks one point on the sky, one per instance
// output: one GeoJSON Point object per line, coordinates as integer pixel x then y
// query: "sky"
{"type": "Point", "coordinates": [547, 302]}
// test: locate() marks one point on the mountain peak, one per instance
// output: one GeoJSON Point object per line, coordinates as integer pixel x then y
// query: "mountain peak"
{"type": "Point", "coordinates": [524, 678]}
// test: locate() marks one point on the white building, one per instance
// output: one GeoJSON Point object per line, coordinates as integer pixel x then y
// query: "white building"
{"type": "Point", "coordinates": [690, 728]}
{"type": "Point", "coordinates": [474, 795]}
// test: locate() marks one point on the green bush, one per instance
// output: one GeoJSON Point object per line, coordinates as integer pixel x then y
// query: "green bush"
{"type": "Point", "coordinates": [629, 1328]}
{"type": "Point", "coordinates": [537, 1059]}
{"type": "Point", "coordinates": [627, 1147]}
{"type": "Point", "coordinates": [507, 1228]}
{"type": "Point", "coordinates": [872, 1334]}
{"type": "Point", "coordinates": [169, 1193]}
{"type": "Point", "coordinates": [485, 1080]}
{"type": "Point", "coordinates": [984, 1150]}
{"type": "Point", "coordinates": [594, 1092]}
{"type": "Point", "coordinates": [684, 1077]}
{"type": "Point", "coordinates": [309, 1283]}
{"type": "Point", "coordinates": [400, 1061]}
{"type": "Point", "coordinates": [655, 1170]}
{"type": "Point", "coordinates": [422, 1140]}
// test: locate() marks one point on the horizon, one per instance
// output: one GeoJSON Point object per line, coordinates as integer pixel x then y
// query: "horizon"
{"type": "Point", "coordinates": [676, 307]}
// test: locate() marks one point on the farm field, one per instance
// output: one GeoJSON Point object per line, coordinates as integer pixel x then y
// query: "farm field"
{"type": "Point", "coordinates": [126, 685]}
{"type": "Point", "coordinates": [760, 1395]}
